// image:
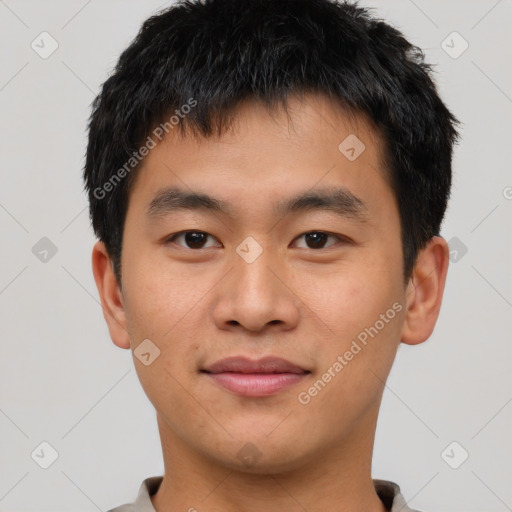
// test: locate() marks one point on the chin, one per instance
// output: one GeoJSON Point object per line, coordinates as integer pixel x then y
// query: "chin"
{"type": "Point", "coordinates": [258, 454]}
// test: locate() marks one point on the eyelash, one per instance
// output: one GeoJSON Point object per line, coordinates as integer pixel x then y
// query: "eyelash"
{"type": "Point", "coordinates": [340, 238]}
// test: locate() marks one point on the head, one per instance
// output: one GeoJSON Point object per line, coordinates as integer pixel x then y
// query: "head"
{"type": "Point", "coordinates": [270, 120]}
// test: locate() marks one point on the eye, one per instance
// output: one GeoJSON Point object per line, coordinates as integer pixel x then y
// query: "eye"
{"type": "Point", "coordinates": [317, 239]}
{"type": "Point", "coordinates": [193, 239]}
{"type": "Point", "coordinates": [198, 240]}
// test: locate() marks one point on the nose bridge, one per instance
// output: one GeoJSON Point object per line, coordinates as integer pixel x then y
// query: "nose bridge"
{"type": "Point", "coordinates": [254, 275]}
{"type": "Point", "coordinates": [253, 279]}
{"type": "Point", "coordinates": [253, 296]}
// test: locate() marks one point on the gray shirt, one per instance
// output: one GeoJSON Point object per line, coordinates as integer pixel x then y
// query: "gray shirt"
{"type": "Point", "coordinates": [388, 492]}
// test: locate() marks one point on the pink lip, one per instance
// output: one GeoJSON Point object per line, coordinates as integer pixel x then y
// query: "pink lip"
{"type": "Point", "coordinates": [247, 377]}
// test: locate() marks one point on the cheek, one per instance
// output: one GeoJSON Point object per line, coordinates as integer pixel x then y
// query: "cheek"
{"type": "Point", "coordinates": [166, 306]}
{"type": "Point", "coordinates": [360, 359]}
{"type": "Point", "coordinates": [157, 292]}
{"type": "Point", "coordinates": [364, 308]}
{"type": "Point", "coordinates": [347, 299]}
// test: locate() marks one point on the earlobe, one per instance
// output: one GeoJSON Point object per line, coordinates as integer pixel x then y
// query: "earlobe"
{"type": "Point", "coordinates": [110, 295]}
{"type": "Point", "coordinates": [424, 293]}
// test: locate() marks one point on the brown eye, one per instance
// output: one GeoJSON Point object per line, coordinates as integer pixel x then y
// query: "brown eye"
{"type": "Point", "coordinates": [317, 239]}
{"type": "Point", "coordinates": [192, 239]}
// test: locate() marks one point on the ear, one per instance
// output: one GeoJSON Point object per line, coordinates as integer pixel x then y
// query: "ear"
{"type": "Point", "coordinates": [110, 295]}
{"type": "Point", "coordinates": [425, 291]}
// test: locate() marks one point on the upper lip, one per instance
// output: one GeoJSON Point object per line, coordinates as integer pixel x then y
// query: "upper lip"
{"type": "Point", "coordinates": [245, 365]}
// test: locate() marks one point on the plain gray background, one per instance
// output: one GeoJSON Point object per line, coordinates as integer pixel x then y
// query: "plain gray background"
{"type": "Point", "coordinates": [64, 382]}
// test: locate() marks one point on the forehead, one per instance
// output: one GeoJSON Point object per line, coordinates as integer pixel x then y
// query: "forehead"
{"type": "Point", "coordinates": [269, 153]}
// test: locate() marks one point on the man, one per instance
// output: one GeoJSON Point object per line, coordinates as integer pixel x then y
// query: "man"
{"type": "Point", "coordinates": [267, 181]}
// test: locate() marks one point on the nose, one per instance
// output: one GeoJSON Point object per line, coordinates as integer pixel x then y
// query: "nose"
{"type": "Point", "coordinates": [256, 296]}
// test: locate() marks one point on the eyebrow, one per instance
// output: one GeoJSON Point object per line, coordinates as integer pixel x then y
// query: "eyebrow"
{"type": "Point", "coordinates": [336, 199]}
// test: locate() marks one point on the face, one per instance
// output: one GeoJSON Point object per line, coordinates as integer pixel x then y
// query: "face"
{"type": "Point", "coordinates": [295, 254]}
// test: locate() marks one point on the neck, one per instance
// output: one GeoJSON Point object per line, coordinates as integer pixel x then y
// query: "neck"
{"type": "Point", "coordinates": [336, 478]}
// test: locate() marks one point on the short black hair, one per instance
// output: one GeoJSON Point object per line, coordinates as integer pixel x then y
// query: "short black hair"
{"type": "Point", "coordinates": [203, 58]}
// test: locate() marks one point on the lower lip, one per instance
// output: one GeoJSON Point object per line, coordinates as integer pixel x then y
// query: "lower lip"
{"type": "Point", "coordinates": [256, 384]}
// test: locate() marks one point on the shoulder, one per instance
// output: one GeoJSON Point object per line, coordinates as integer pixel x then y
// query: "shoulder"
{"type": "Point", "coordinates": [143, 501]}
{"type": "Point", "coordinates": [391, 495]}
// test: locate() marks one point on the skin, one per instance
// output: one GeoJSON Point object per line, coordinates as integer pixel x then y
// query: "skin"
{"type": "Point", "coordinates": [304, 304]}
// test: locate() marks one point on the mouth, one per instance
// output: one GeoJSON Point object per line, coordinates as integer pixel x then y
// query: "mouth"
{"type": "Point", "coordinates": [260, 378]}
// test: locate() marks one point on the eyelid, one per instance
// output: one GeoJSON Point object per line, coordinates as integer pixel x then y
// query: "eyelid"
{"type": "Point", "coordinates": [171, 238]}
{"type": "Point", "coordinates": [341, 239]}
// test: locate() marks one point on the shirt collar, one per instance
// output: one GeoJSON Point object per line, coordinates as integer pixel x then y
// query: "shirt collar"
{"type": "Point", "coordinates": [388, 492]}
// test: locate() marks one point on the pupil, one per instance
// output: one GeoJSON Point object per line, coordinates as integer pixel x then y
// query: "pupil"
{"type": "Point", "coordinates": [195, 239]}
{"type": "Point", "coordinates": [316, 239]}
